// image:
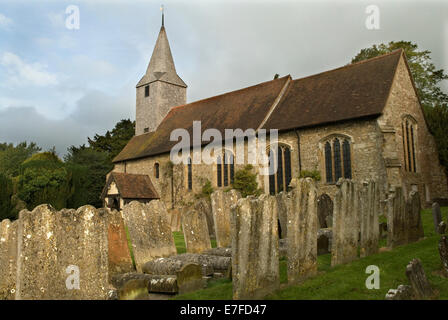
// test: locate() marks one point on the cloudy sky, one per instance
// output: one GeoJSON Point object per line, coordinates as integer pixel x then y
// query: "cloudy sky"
{"type": "Point", "coordinates": [60, 85]}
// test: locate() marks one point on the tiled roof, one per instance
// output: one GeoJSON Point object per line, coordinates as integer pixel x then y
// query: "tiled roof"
{"type": "Point", "coordinates": [132, 186]}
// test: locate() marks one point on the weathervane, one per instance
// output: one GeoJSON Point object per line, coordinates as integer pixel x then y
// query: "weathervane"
{"type": "Point", "coordinates": [162, 8]}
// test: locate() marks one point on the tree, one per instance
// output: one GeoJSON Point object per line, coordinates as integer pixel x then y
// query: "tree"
{"type": "Point", "coordinates": [245, 181]}
{"type": "Point", "coordinates": [6, 207]}
{"type": "Point", "coordinates": [112, 142]}
{"type": "Point", "coordinates": [427, 80]}
{"type": "Point", "coordinates": [88, 169]}
{"type": "Point", "coordinates": [44, 179]}
{"type": "Point", "coordinates": [12, 156]}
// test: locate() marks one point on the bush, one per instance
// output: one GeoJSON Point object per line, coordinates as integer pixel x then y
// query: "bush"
{"type": "Point", "coordinates": [245, 181]}
{"type": "Point", "coordinates": [206, 190]}
{"type": "Point", "coordinates": [315, 174]}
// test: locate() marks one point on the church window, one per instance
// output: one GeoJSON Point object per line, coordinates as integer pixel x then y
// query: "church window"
{"type": "Point", "coordinates": [280, 158]}
{"type": "Point", "coordinates": [156, 170]}
{"type": "Point", "coordinates": [338, 161]}
{"type": "Point", "coordinates": [409, 128]}
{"type": "Point", "coordinates": [190, 175]}
{"type": "Point", "coordinates": [147, 91]}
{"type": "Point", "coordinates": [225, 169]}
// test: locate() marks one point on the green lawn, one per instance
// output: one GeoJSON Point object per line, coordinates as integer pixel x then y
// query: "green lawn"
{"type": "Point", "coordinates": [348, 281]}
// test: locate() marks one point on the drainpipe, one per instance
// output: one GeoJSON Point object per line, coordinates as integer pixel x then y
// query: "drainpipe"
{"type": "Point", "coordinates": [298, 151]}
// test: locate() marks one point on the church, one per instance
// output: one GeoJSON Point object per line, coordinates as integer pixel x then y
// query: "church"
{"type": "Point", "coordinates": [360, 121]}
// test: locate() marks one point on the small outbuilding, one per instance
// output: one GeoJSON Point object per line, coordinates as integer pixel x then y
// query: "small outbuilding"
{"type": "Point", "coordinates": [122, 188]}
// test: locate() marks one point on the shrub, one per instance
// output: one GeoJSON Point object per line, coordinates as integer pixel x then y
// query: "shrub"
{"type": "Point", "coordinates": [245, 181]}
{"type": "Point", "coordinates": [206, 190]}
{"type": "Point", "coordinates": [315, 174]}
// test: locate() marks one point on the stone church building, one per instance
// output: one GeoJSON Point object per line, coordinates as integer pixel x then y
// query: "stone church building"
{"type": "Point", "coordinates": [360, 121]}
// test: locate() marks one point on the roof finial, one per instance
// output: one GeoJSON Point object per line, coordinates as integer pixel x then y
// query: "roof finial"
{"type": "Point", "coordinates": [163, 15]}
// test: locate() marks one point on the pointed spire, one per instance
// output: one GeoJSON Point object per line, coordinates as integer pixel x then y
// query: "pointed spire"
{"type": "Point", "coordinates": [161, 66]}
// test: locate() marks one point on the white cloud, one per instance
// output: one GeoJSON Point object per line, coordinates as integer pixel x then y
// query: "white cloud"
{"type": "Point", "coordinates": [21, 73]}
{"type": "Point", "coordinates": [5, 22]}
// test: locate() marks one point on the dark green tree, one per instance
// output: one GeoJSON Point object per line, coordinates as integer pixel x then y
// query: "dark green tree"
{"type": "Point", "coordinates": [245, 181]}
{"type": "Point", "coordinates": [427, 80]}
{"type": "Point", "coordinates": [12, 156]}
{"type": "Point", "coordinates": [6, 207]}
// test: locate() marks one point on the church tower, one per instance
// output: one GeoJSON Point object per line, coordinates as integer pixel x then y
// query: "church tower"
{"type": "Point", "coordinates": [160, 89]}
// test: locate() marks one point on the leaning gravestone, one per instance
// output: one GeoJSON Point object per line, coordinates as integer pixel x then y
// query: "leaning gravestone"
{"type": "Point", "coordinates": [436, 216]}
{"type": "Point", "coordinates": [345, 223]}
{"type": "Point", "coordinates": [324, 210]}
{"type": "Point", "coordinates": [413, 209]}
{"type": "Point", "coordinates": [8, 259]}
{"type": "Point", "coordinates": [204, 206]}
{"type": "Point", "coordinates": [369, 202]}
{"type": "Point", "coordinates": [149, 231]}
{"type": "Point", "coordinates": [62, 255]}
{"type": "Point", "coordinates": [196, 235]}
{"type": "Point", "coordinates": [419, 283]}
{"type": "Point", "coordinates": [302, 230]}
{"type": "Point", "coordinates": [222, 201]}
{"type": "Point", "coordinates": [255, 258]}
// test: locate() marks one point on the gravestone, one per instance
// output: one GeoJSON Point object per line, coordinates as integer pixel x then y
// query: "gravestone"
{"type": "Point", "coordinates": [255, 258]}
{"type": "Point", "coordinates": [58, 248]}
{"type": "Point", "coordinates": [346, 224]}
{"type": "Point", "coordinates": [149, 231]}
{"type": "Point", "coordinates": [403, 292]}
{"type": "Point", "coordinates": [196, 235]}
{"type": "Point", "coordinates": [369, 205]}
{"type": "Point", "coordinates": [443, 252]}
{"type": "Point", "coordinates": [436, 216]}
{"type": "Point", "coordinates": [324, 210]}
{"type": "Point", "coordinates": [415, 224]}
{"type": "Point", "coordinates": [204, 206]}
{"type": "Point", "coordinates": [302, 230]}
{"type": "Point", "coordinates": [222, 201]}
{"type": "Point", "coordinates": [324, 238]}
{"type": "Point", "coordinates": [119, 255]}
{"type": "Point", "coordinates": [282, 214]}
{"type": "Point", "coordinates": [417, 278]}
{"type": "Point", "coordinates": [8, 259]}
{"type": "Point", "coordinates": [397, 219]}
{"type": "Point", "coordinates": [441, 228]}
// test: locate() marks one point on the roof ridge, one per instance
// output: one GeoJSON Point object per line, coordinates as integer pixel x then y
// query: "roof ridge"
{"type": "Point", "coordinates": [352, 64]}
{"type": "Point", "coordinates": [225, 93]}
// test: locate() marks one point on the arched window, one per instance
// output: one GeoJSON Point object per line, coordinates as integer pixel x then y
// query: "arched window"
{"type": "Point", "coordinates": [338, 163]}
{"type": "Point", "coordinates": [279, 180]}
{"type": "Point", "coordinates": [225, 169]}
{"type": "Point", "coordinates": [156, 170]}
{"type": "Point", "coordinates": [190, 175]}
{"type": "Point", "coordinates": [409, 127]}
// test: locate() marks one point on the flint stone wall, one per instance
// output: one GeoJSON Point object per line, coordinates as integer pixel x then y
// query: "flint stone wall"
{"type": "Point", "coordinates": [221, 208]}
{"type": "Point", "coordinates": [196, 235]}
{"type": "Point", "coordinates": [149, 231]}
{"type": "Point", "coordinates": [50, 241]}
{"type": "Point", "coordinates": [8, 259]}
{"type": "Point", "coordinates": [302, 230]}
{"type": "Point", "coordinates": [255, 257]}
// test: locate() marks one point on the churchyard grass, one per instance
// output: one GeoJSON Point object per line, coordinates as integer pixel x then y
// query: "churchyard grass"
{"type": "Point", "coordinates": [347, 282]}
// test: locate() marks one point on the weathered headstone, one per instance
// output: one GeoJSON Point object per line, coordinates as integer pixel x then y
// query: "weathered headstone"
{"type": "Point", "coordinates": [436, 216]}
{"type": "Point", "coordinates": [282, 214]}
{"type": "Point", "coordinates": [196, 235]}
{"type": "Point", "coordinates": [119, 255]}
{"type": "Point", "coordinates": [62, 255]}
{"type": "Point", "coordinates": [189, 278]}
{"type": "Point", "coordinates": [369, 205]}
{"type": "Point", "coordinates": [8, 259]}
{"type": "Point", "coordinates": [417, 278]}
{"type": "Point", "coordinates": [397, 219]}
{"type": "Point", "coordinates": [222, 201]}
{"type": "Point", "coordinates": [324, 210]}
{"type": "Point", "coordinates": [346, 224]}
{"type": "Point", "coordinates": [324, 237]}
{"type": "Point", "coordinates": [204, 206]}
{"type": "Point", "coordinates": [255, 258]}
{"type": "Point", "coordinates": [403, 292]}
{"type": "Point", "coordinates": [441, 228]}
{"type": "Point", "coordinates": [149, 231]}
{"type": "Point", "coordinates": [414, 217]}
{"type": "Point", "coordinates": [443, 252]}
{"type": "Point", "coordinates": [223, 252]}
{"type": "Point", "coordinates": [174, 218]}
{"type": "Point", "coordinates": [302, 230]}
